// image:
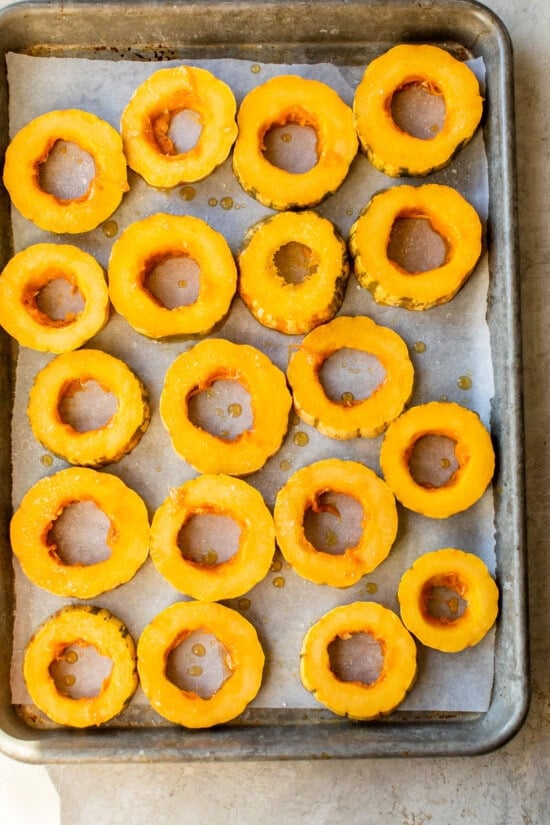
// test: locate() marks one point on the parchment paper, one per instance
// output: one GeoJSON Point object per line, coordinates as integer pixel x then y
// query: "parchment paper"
{"type": "Point", "coordinates": [454, 342]}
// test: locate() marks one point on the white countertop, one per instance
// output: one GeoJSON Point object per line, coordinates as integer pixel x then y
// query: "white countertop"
{"type": "Point", "coordinates": [506, 787]}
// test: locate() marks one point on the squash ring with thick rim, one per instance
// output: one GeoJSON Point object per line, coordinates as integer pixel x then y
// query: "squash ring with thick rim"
{"type": "Point", "coordinates": [225, 496]}
{"type": "Point", "coordinates": [448, 213]}
{"type": "Point", "coordinates": [367, 417]}
{"type": "Point", "coordinates": [195, 371]}
{"type": "Point", "coordinates": [32, 269]}
{"type": "Point", "coordinates": [41, 506]}
{"type": "Point", "coordinates": [303, 491]}
{"type": "Point", "coordinates": [293, 308]}
{"type": "Point", "coordinates": [462, 573]}
{"type": "Point", "coordinates": [389, 148]}
{"type": "Point", "coordinates": [146, 243]}
{"type": "Point", "coordinates": [67, 373]}
{"type": "Point", "coordinates": [245, 659]}
{"type": "Point", "coordinates": [146, 119]}
{"type": "Point", "coordinates": [284, 100]}
{"type": "Point", "coordinates": [30, 148]}
{"type": "Point", "coordinates": [81, 625]}
{"type": "Point", "coordinates": [473, 451]}
{"type": "Point", "coordinates": [357, 699]}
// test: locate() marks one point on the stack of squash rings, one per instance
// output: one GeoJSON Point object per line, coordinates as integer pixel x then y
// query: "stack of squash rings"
{"type": "Point", "coordinates": [307, 307]}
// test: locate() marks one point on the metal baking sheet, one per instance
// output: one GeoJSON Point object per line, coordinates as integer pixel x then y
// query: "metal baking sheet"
{"type": "Point", "coordinates": [345, 34]}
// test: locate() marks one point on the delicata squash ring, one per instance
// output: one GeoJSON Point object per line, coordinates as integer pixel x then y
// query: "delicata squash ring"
{"type": "Point", "coordinates": [464, 575]}
{"type": "Point", "coordinates": [81, 625]}
{"type": "Point", "coordinates": [355, 699]}
{"type": "Point", "coordinates": [448, 213]}
{"type": "Point", "coordinates": [244, 658]}
{"type": "Point", "coordinates": [146, 120]}
{"type": "Point", "coordinates": [367, 417]}
{"type": "Point", "coordinates": [148, 242]}
{"type": "Point", "coordinates": [473, 451]}
{"type": "Point", "coordinates": [32, 269]}
{"type": "Point", "coordinates": [221, 495]}
{"type": "Point", "coordinates": [196, 370]}
{"type": "Point", "coordinates": [304, 490]}
{"type": "Point", "coordinates": [30, 148]}
{"type": "Point", "coordinates": [284, 100]}
{"type": "Point", "coordinates": [68, 373]}
{"type": "Point", "coordinates": [293, 308]}
{"type": "Point", "coordinates": [41, 506]}
{"type": "Point", "coordinates": [389, 148]}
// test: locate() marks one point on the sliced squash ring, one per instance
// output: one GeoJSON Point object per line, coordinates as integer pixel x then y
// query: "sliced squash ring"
{"type": "Point", "coordinates": [303, 491]}
{"type": "Point", "coordinates": [367, 417]}
{"type": "Point", "coordinates": [284, 100]}
{"type": "Point", "coordinates": [245, 659]}
{"type": "Point", "coordinates": [449, 214]}
{"type": "Point", "coordinates": [81, 625]}
{"type": "Point", "coordinates": [473, 451]}
{"type": "Point", "coordinates": [293, 308]}
{"type": "Point", "coordinates": [146, 121]}
{"type": "Point", "coordinates": [196, 370]}
{"type": "Point", "coordinates": [30, 148]}
{"type": "Point", "coordinates": [357, 699]}
{"type": "Point", "coordinates": [32, 269]}
{"type": "Point", "coordinates": [460, 572]}
{"type": "Point", "coordinates": [69, 372]}
{"type": "Point", "coordinates": [389, 148]}
{"type": "Point", "coordinates": [221, 495]}
{"type": "Point", "coordinates": [146, 243]}
{"type": "Point", "coordinates": [41, 506]}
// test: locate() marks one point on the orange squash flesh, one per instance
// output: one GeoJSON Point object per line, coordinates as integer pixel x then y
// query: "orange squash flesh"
{"type": "Point", "coordinates": [356, 699]}
{"type": "Point", "coordinates": [245, 660]}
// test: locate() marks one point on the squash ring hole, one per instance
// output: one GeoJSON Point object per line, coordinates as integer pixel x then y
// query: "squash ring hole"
{"type": "Point", "coordinates": [295, 262]}
{"type": "Point", "coordinates": [199, 663]}
{"type": "Point", "coordinates": [415, 246]}
{"type": "Point", "coordinates": [57, 303]}
{"type": "Point", "coordinates": [418, 108]}
{"type": "Point", "coordinates": [433, 462]}
{"type": "Point", "coordinates": [67, 172]}
{"type": "Point", "coordinates": [334, 522]}
{"type": "Point", "coordinates": [443, 599]}
{"type": "Point", "coordinates": [223, 409]}
{"type": "Point", "coordinates": [209, 539]}
{"type": "Point", "coordinates": [172, 280]}
{"type": "Point", "coordinates": [291, 146]}
{"type": "Point", "coordinates": [350, 375]}
{"type": "Point", "coordinates": [356, 657]}
{"type": "Point", "coordinates": [86, 405]}
{"type": "Point", "coordinates": [80, 671]}
{"type": "Point", "coordinates": [177, 132]}
{"type": "Point", "coordinates": [79, 534]}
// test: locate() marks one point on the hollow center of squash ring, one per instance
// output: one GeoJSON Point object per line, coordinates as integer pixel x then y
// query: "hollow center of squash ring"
{"type": "Point", "coordinates": [174, 280]}
{"type": "Point", "coordinates": [415, 246]}
{"type": "Point", "coordinates": [199, 663]}
{"type": "Point", "coordinates": [209, 539]}
{"type": "Point", "coordinates": [350, 375]}
{"type": "Point", "coordinates": [443, 599]}
{"type": "Point", "coordinates": [334, 522]}
{"type": "Point", "coordinates": [80, 670]}
{"type": "Point", "coordinates": [295, 262]}
{"type": "Point", "coordinates": [432, 462]}
{"type": "Point", "coordinates": [291, 146]}
{"type": "Point", "coordinates": [356, 657]}
{"type": "Point", "coordinates": [418, 108]}
{"type": "Point", "coordinates": [67, 172]}
{"type": "Point", "coordinates": [55, 302]}
{"type": "Point", "coordinates": [86, 405]}
{"type": "Point", "coordinates": [224, 409]}
{"type": "Point", "coordinates": [79, 534]}
{"type": "Point", "coordinates": [177, 132]}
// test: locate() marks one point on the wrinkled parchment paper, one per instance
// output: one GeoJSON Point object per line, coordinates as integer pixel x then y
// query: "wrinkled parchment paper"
{"type": "Point", "coordinates": [446, 343]}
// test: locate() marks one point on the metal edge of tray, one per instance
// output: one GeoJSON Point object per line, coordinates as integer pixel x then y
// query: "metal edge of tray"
{"type": "Point", "coordinates": [283, 31]}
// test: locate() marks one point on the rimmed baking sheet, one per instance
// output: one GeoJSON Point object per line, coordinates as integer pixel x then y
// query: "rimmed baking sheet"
{"type": "Point", "coordinates": [278, 728]}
